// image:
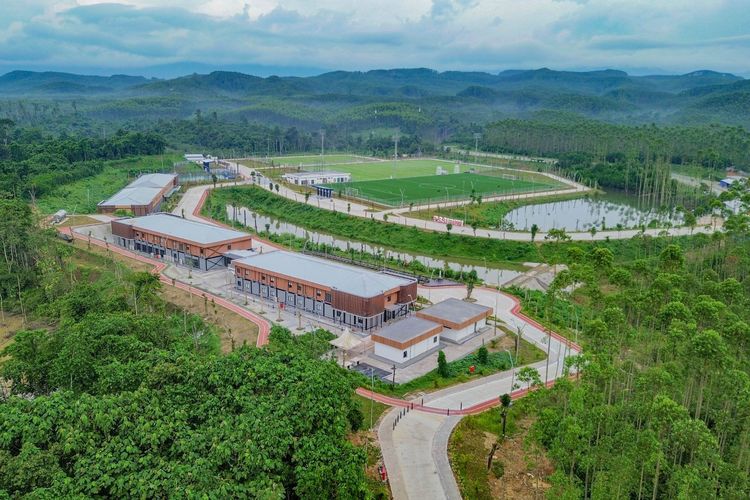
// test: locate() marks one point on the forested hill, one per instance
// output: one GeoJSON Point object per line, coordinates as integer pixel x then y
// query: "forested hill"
{"type": "Point", "coordinates": [414, 99]}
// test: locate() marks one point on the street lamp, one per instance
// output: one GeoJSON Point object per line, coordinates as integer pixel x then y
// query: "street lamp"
{"type": "Point", "coordinates": [512, 370]}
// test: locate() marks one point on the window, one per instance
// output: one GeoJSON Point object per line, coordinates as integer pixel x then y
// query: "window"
{"type": "Point", "coordinates": [388, 299]}
{"type": "Point", "coordinates": [434, 340]}
{"type": "Point", "coordinates": [406, 353]}
{"type": "Point", "coordinates": [299, 288]}
{"type": "Point", "coordinates": [329, 298]}
{"type": "Point", "coordinates": [229, 247]}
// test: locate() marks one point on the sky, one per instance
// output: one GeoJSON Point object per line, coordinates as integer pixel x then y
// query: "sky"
{"type": "Point", "coordinates": [286, 37]}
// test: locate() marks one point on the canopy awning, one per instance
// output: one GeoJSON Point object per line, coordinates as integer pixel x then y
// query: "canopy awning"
{"type": "Point", "coordinates": [346, 341]}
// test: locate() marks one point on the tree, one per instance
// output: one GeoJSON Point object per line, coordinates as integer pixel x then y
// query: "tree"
{"type": "Point", "coordinates": [534, 231]}
{"type": "Point", "coordinates": [558, 235]}
{"type": "Point", "coordinates": [474, 225]}
{"type": "Point", "coordinates": [529, 376]}
{"type": "Point", "coordinates": [505, 402]}
{"type": "Point", "coordinates": [469, 288]}
{"type": "Point", "coordinates": [448, 228]}
{"type": "Point", "coordinates": [307, 196]}
{"type": "Point", "coordinates": [483, 355]}
{"type": "Point", "coordinates": [443, 368]}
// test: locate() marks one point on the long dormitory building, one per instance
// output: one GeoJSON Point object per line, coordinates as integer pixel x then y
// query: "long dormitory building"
{"type": "Point", "coordinates": [142, 196]}
{"type": "Point", "coordinates": [193, 244]}
{"type": "Point", "coordinates": [344, 294]}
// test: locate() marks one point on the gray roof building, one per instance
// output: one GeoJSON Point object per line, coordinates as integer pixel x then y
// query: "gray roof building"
{"type": "Point", "coordinates": [183, 229]}
{"type": "Point", "coordinates": [145, 191]}
{"type": "Point", "coordinates": [333, 275]}
{"type": "Point", "coordinates": [407, 331]}
{"type": "Point", "coordinates": [455, 313]}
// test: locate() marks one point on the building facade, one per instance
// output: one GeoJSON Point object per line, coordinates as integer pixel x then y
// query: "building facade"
{"type": "Point", "coordinates": [343, 294]}
{"type": "Point", "coordinates": [460, 319]}
{"type": "Point", "coordinates": [313, 178]}
{"type": "Point", "coordinates": [194, 244]}
{"type": "Point", "coordinates": [407, 340]}
{"type": "Point", "coordinates": [142, 196]}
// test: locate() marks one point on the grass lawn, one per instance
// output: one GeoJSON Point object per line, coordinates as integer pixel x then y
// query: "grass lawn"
{"type": "Point", "coordinates": [459, 369]}
{"type": "Point", "coordinates": [519, 468]}
{"type": "Point", "coordinates": [440, 188]}
{"type": "Point", "coordinates": [82, 195]}
{"type": "Point", "coordinates": [370, 408]}
{"type": "Point", "coordinates": [330, 159]}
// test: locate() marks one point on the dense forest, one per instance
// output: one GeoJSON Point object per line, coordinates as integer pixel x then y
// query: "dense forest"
{"type": "Point", "coordinates": [33, 163]}
{"type": "Point", "coordinates": [661, 406]}
{"type": "Point", "coordinates": [114, 394]}
{"type": "Point", "coordinates": [553, 135]}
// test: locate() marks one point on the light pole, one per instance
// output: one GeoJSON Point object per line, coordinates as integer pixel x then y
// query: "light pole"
{"type": "Point", "coordinates": [512, 371]}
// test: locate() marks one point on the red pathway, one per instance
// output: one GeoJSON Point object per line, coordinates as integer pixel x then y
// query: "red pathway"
{"type": "Point", "coordinates": [158, 268]}
{"type": "Point", "coordinates": [264, 325]}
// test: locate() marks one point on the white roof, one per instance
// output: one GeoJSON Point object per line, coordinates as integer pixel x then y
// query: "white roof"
{"type": "Point", "coordinates": [141, 191]}
{"type": "Point", "coordinates": [172, 225]}
{"type": "Point", "coordinates": [334, 275]}
{"type": "Point", "coordinates": [316, 175]}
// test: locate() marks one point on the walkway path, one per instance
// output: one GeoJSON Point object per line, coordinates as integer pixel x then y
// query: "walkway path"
{"type": "Point", "coordinates": [401, 215]}
{"type": "Point", "coordinates": [415, 444]}
{"type": "Point", "coordinates": [264, 326]}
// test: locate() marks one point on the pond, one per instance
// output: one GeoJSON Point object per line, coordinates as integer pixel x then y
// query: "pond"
{"type": "Point", "coordinates": [603, 211]}
{"type": "Point", "coordinates": [490, 275]}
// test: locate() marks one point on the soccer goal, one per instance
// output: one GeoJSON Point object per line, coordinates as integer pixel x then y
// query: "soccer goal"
{"type": "Point", "coordinates": [440, 171]}
{"type": "Point", "coordinates": [352, 192]}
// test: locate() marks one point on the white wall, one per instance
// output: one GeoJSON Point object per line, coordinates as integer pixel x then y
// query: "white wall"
{"type": "Point", "coordinates": [459, 335]}
{"type": "Point", "coordinates": [397, 355]}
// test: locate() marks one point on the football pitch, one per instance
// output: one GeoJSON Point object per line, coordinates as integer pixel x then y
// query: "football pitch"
{"type": "Point", "coordinates": [316, 160]}
{"type": "Point", "coordinates": [441, 188]}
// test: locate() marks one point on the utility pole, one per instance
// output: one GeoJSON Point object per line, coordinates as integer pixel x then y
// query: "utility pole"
{"type": "Point", "coordinates": [394, 375]}
{"type": "Point", "coordinates": [322, 146]}
{"type": "Point", "coordinates": [395, 147]}
{"type": "Point", "coordinates": [477, 136]}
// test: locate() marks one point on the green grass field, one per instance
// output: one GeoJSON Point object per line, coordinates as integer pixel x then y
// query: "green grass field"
{"type": "Point", "coordinates": [305, 160]}
{"type": "Point", "coordinates": [388, 169]}
{"type": "Point", "coordinates": [440, 188]}
{"type": "Point", "coordinates": [81, 196]}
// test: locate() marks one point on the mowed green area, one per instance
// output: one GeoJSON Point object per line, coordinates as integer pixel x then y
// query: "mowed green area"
{"type": "Point", "coordinates": [397, 169]}
{"type": "Point", "coordinates": [442, 188]}
{"type": "Point", "coordinates": [332, 159]}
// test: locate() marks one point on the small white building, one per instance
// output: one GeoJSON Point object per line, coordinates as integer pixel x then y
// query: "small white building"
{"type": "Point", "coordinates": [407, 340]}
{"type": "Point", "coordinates": [312, 178]}
{"type": "Point", "coordinates": [460, 319]}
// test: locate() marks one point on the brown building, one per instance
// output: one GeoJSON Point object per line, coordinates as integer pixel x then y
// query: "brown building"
{"type": "Point", "coordinates": [196, 244]}
{"type": "Point", "coordinates": [142, 196]}
{"type": "Point", "coordinates": [345, 294]}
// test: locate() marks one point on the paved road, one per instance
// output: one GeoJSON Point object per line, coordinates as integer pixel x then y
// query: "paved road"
{"type": "Point", "coordinates": [415, 450]}
{"type": "Point", "coordinates": [695, 182]}
{"type": "Point", "coordinates": [401, 215]}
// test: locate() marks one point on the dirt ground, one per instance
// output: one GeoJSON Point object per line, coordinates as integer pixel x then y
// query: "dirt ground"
{"type": "Point", "coordinates": [233, 328]}
{"type": "Point", "coordinates": [525, 470]}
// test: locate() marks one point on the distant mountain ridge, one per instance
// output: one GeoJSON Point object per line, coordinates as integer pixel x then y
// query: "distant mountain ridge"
{"type": "Point", "coordinates": [700, 96]}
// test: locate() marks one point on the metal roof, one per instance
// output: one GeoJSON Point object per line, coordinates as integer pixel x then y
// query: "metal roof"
{"type": "Point", "coordinates": [326, 173]}
{"type": "Point", "coordinates": [141, 191]}
{"type": "Point", "coordinates": [172, 225]}
{"type": "Point", "coordinates": [455, 310]}
{"type": "Point", "coordinates": [334, 275]}
{"type": "Point", "coordinates": [406, 329]}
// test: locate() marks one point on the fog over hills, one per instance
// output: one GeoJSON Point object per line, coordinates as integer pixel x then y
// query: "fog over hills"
{"type": "Point", "coordinates": [697, 97]}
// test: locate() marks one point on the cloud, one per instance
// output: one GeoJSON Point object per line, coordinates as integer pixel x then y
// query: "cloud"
{"type": "Point", "coordinates": [337, 34]}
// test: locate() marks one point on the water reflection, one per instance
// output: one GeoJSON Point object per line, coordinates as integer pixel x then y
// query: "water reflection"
{"type": "Point", "coordinates": [581, 214]}
{"type": "Point", "coordinates": [491, 276]}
